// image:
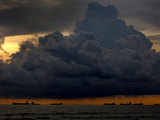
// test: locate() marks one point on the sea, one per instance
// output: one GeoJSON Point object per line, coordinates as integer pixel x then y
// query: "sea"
{"type": "Point", "coordinates": [79, 112]}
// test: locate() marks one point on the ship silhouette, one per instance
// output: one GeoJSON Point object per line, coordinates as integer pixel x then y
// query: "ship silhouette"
{"type": "Point", "coordinates": [109, 104]}
{"type": "Point", "coordinates": [130, 103]}
{"type": "Point", "coordinates": [56, 104]}
{"type": "Point", "coordinates": [26, 103]}
{"type": "Point", "coordinates": [138, 104]}
{"type": "Point", "coordinates": [126, 103]}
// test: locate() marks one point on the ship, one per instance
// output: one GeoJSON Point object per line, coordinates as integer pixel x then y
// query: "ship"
{"type": "Point", "coordinates": [56, 104]}
{"type": "Point", "coordinates": [109, 104]}
{"type": "Point", "coordinates": [26, 103]}
{"type": "Point", "coordinates": [126, 103]}
{"type": "Point", "coordinates": [138, 104]}
{"type": "Point", "coordinates": [156, 104]}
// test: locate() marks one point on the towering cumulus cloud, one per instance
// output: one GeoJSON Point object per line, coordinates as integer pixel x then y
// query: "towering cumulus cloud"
{"type": "Point", "coordinates": [104, 57]}
{"type": "Point", "coordinates": [32, 16]}
{"type": "Point", "coordinates": [112, 32]}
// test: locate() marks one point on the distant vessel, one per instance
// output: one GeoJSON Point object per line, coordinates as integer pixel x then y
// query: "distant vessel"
{"type": "Point", "coordinates": [132, 104]}
{"type": "Point", "coordinates": [139, 104]}
{"type": "Point", "coordinates": [109, 104]}
{"type": "Point", "coordinates": [56, 104]}
{"type": "Point", "coordinates": [34, 103]}
{"type": "Point", "coordinates": [126, 103]}
{"type": "Point", "coordinates": [14, 103]}
{"type": "Point", "coordinates": [156, 104]}
{"type": "Point", "coordinates": [26, 103]}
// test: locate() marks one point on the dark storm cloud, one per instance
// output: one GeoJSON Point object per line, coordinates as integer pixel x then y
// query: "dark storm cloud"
{"type": "Point", "coordinates": [91, 63]}
{"type": "Point", "coordinates": [142, 13]}
{"type": "Point", "coordinates": [30, 16]}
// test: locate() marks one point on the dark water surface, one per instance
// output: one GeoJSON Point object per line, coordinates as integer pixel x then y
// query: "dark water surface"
{"type": "Point", "coordinates": [79, 112]}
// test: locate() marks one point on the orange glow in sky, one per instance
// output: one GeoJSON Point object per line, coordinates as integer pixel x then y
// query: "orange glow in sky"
{"type": "Point", "coordinates": [147, 100]}
{"type": "Point", "coordinates": [156, 43]}
{"type": "Point", "coordinates": [11, 43]}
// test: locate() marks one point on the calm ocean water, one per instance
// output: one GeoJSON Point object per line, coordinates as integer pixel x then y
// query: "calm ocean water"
{"type": "Point", "coordinates": [77, 112]}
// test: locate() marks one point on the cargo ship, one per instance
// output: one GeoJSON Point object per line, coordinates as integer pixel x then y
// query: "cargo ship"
{"type": "Point", "coordinates": [56, 104]}
{"type": "Point", "coordinates": [109, 104]}
{"type": "Point", "coordinates": [26, 103]}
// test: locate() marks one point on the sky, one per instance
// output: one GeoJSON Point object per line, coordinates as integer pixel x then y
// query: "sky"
{"type": "Point", "coordinates": [79, 48]}
{"type": "Point", "coordinates": [31, 16]}
{"type": "Point", "coordinates": [19, 17]}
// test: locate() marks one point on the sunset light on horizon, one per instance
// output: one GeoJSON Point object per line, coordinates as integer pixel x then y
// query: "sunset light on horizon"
{"type": "Point", "coordinates": [146, 100]}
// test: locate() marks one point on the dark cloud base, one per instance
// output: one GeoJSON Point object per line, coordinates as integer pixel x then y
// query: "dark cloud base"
{"type": "Point", "coordinates": [104, 57]}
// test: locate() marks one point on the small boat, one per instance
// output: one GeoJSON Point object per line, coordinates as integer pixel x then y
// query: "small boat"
{"type": "Point", "coordinates": [156, 104]}
{"type": "Point", "coordinates": [56, 104]}
{"type": "Point", "coordinates": [109, 104]}
{"type": "Point", "coordinates": [34, 103]}
{"type": "Point", "coordinates": [26, 103]}
{"type": "Point", "coordinates": [14, 103]}
{"type": "Point", "coordinates": [126, 103]}
{"type": "Point", "coordinates": [139, 104]}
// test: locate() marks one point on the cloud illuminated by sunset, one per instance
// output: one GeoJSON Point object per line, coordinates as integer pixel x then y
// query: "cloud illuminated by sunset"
{"type": "Point", "coordinates": [12, 43]}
